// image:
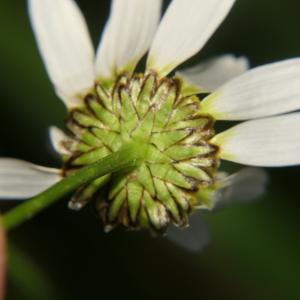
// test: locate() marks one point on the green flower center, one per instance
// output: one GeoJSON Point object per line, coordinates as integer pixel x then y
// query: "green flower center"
{"type": "Point", "coordinates": [179, 166]}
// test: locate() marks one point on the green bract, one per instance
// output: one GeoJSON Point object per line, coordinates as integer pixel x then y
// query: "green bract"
{"type": "Point", "coordinates": [179, 164]}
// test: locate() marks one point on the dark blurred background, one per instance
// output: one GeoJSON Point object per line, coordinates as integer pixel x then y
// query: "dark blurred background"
{"type": "Point", "coordinates": [61, 254]}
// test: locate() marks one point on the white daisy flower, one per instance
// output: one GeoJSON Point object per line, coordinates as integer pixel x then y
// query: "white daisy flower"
{"type": "Point", "coordinates": [109, 103]}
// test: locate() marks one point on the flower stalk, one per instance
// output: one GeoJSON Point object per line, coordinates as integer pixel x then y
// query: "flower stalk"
{"type": "Point", "coordinates": [129, 156]}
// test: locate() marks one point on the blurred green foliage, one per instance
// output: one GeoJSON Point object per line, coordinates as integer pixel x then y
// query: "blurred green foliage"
{"type": "Point", "coordinates": [255, 248]}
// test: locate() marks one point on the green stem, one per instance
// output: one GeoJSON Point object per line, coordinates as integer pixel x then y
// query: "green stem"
{"type": "Point", "coordinates": [128, 157]}
{"type": "Point", "coordinates": [29, 281]}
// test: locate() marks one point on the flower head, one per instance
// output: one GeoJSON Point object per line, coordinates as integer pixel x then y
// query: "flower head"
{"type": "Point", "coordinates": [110, 104]}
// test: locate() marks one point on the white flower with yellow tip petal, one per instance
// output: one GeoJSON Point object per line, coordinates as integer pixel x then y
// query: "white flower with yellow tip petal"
{"type": "Point", "coordinates": [110, 104]}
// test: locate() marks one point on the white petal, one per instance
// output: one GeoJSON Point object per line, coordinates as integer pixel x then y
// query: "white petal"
{"type": "Point", "coordinates": [20, 179]}
{"type": "Point", "coordinates": [213, 73]}
{"type": "Point", "coordinates": [194, 238]}
{"type": "Point", "coordinates": [57, 136]}
{"type": "Point", "coordinates": [127, 35]}
{"type": "Point", "coordinates": [184, 30]}
{"type": "Point", "coordinates": [246, 185]}
{"type": "Point", "coordinates": [264, 91]}
{"type": "Point", "coordinates": [65, 45]}
{"type": "Point", "coordinates": [273, 141]}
